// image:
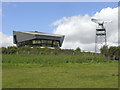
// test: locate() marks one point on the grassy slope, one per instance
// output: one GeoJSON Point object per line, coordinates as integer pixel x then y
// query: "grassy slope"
{"type": "Point", "coordinates": [60, 76]}
{"type": "Point", "coordinates": [53, 59]}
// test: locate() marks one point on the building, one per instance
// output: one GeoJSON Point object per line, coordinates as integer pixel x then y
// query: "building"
{"type": "Point", "coordinates": [29, 38]}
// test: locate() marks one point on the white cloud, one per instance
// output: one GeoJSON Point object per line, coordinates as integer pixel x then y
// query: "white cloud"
{"type": "Point", "coordinates": [79, 31]}
{"type": "Point", "coordinates": [6, 40]}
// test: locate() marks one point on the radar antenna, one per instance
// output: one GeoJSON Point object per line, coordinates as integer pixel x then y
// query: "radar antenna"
{"type": "Point", "coordinates": [100, 37]}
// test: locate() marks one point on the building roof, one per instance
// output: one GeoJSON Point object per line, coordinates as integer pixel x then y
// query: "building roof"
{"type": "Point", "coordinates": [40, 33]}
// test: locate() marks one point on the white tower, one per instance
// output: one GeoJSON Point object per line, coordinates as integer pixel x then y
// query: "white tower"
{"type": "Point", "coordinates": [100, 38]}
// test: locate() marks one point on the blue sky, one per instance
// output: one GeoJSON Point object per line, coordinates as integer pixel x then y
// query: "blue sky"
{"type": "Point", "coordinates": [38, 16]}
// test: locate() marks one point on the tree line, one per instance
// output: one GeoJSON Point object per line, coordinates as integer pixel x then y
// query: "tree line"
{"type": "Point", "coordinates": [38, 50]}
{"type": "Point", "coordinates": [112, 52]}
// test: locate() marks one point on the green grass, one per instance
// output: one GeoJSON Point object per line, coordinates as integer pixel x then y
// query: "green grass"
{"type": "Point", "coordinates": [60, 76]}
{"type": "Point", "coordinates": [53, 59]}
{"type": "Point", "coordinates": [47, 71]}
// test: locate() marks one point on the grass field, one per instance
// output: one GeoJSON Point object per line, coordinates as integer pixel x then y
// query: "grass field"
{"type": "Point", "coordinates": [20, 71]}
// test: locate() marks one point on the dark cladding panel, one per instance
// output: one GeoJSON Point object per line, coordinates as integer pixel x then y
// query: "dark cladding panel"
{"type": "Point", "coordinates": [20, 36]}
{"type": "Point", "coordinates": [47, 37]}
{"type": "Point", "coordinates": [61, 40]}
{"type": "Point", "coordinates": [15, 39]}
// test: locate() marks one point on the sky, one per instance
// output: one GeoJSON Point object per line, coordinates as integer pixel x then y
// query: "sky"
{"type": "Point", "coordinates": [68, 18]}
{"type": "Point", "coordinates": [38, 16]}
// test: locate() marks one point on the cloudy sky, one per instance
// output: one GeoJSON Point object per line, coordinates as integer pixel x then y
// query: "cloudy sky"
{"type": "Point", "coordinates": [70, 19]}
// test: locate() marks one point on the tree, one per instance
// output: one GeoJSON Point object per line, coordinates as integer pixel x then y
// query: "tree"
{"type": "Point", "coordinates": [114, 53]}
{"type": "Point", "coordinates": [78, 49]}
{"type": "Point", "coordinates": [104, 50]}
